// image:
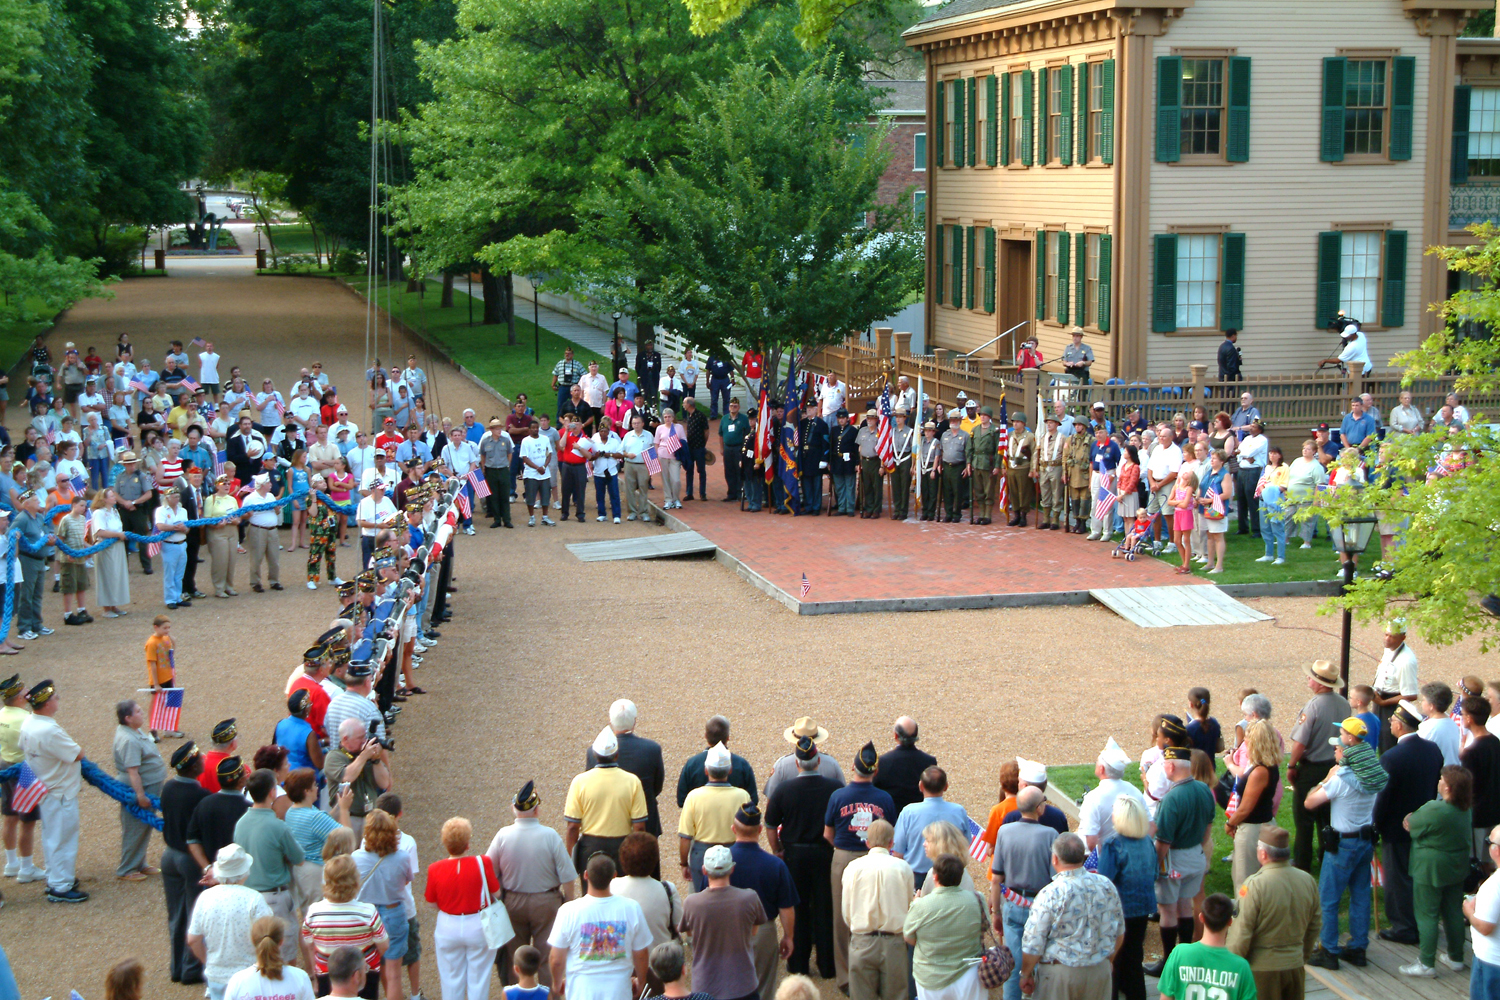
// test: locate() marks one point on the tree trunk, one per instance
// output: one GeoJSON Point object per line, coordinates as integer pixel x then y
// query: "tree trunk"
{"type": "Point", "coordinates": [494, 314]}
{"type": "Point", "coordinates": [510, 309]}
{"type": "Point", "coordinates": [317, 245]}
{"type": "Point", "coordinates": [446, 302]}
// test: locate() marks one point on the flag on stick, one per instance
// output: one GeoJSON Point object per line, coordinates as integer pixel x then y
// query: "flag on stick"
{"type": "Point", "coordinates": [29, 790]}
{"type": "Point", "coordinates": [79, 483]}
{"type": "Point", "coordinates": [153, 549]}
{"type": "Point", "coordinates": [653, 464]}
{"type": "Point", "coordinates": [1003, 497]}
{"type": "Point", "coordinates": [166, 709]}
{"type": "Point", "coordinates": [477, 483]}
{"type": "Point", "coordinates": [221, 460]}
{"type": "Point", "coordinates": [978, 849]}
{"type": "Point", "coordinates": [806, 587]}
{"type": "Point", "coordinates": [190, 384]}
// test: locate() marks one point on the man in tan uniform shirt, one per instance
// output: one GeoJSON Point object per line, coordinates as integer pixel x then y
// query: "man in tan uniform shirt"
{"type": "Point", "coordinates": [1279, 920]}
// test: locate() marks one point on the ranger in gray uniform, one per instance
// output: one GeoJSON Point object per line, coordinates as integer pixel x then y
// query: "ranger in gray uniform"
{"type": "Point", "coordinates": [954, 459]}
{"type": "Point", "coordinates": [871, 475]}
{"type": "Point", "coordinates": [902, 440]}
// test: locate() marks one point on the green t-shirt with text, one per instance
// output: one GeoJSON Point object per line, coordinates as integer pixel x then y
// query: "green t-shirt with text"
{"type": "Point", "coordinates": [1203, 972]}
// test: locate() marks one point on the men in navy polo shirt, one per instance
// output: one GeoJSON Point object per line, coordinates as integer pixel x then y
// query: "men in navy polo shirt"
{"type": "Point", "coordinates": [769, 876]}
{"type": "Point", "coordinates": [1358, 427]}
{"type": "Point", "coordinates": [851, 810]}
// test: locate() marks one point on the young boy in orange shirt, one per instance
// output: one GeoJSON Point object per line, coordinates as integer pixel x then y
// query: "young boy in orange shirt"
{"type": "Point", "coordinates": [161, 661]}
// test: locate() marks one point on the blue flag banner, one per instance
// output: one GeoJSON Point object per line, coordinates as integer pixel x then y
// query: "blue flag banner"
{"type": "Point", "coordinates": [790, 475]}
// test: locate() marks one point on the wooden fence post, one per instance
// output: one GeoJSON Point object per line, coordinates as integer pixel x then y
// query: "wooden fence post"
{"type": "Point", "coordinates": [903, 347]}
{"type": "Point", "coordinates": [882, 341]}
{"type": "Point", "coordinates": [1030, 402]}
{"type": "Point", "coordinates": [1200, 376]}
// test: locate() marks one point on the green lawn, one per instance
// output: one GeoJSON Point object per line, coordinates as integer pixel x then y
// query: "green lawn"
{"type": "Point", "coordinates": [482, 349]}
{"type": "Point", "coordinates": [294, 238]}
{"type": "Point", "coordinates": [16, 338]}
{"type": "Point", "coordinates": [1316, 563]}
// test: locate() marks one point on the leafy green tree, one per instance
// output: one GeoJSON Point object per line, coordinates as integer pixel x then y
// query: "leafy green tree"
{"type": "Point", "coordinates": [756, 232]}
{"type": "Point", "coordinates": [1444, 485]}
{"type": "Point", "coordinates": [820, 20]}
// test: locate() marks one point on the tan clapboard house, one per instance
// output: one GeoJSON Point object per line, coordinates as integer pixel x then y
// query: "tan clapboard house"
{"type": "Point", "coordinates": [1158, 173]}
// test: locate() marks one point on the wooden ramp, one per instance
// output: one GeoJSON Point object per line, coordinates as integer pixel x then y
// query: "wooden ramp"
{"type": "Point", "coordinates": [676, 543]}
{"type": "Point", "coordinates": [1163, 607]}
{"type": "Point", "coordinates": [1382, 980]}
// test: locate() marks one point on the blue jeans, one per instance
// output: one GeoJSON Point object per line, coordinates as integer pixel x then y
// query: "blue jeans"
{"type": "Point", "coordinates": [1015, 925]}
{"type": "Point", "coordinates": [1349, 869]}
{"type": "Point", "coordinates": [173, 562]}
{"type": "Point", "coordinates": [610, 485]}
{"type": "Point", "coordinates": [718, 387]}
{"type": "Point", "coordinates": [99, 472]}
{"type": "Point", "coordinates": [1273, 532]}
{"type": "Point", "coordinates": [755, 490]}
{"type": "Point", "coordinates": [1484, 981]}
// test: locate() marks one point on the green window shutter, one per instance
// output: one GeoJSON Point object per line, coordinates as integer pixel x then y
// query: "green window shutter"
{"type": "Point", "coordinates": [1327, 305]}
{"type": "Point", "coordinates": [1041, 274]}
{"type": "Point", "coordinates": [1028, 118]}
{"type": "Point", "coordinates": [991, 107]}
{"type": "Point", "coordinates": [1106, 280]}
{"type": "Point", "coordinates": [1232, 283]}
{"type": "Point", "coordinates": [1081, 123]}
{"type": "Point", "coordinates": [1393, 294]}
{"type": "Point", "coordinates": [1064, 245]}
{"type": "Point", "coordinates": [969, 259]}
{"type": "Point", "coordinates": [1065, 119]}
{"type": "Point", "coordinates": [1107, 131]}
{"type": "Point", "coordinates": [1331, 149]}
{"type": "Point", "coordinates": [1403, 95]}
{"type": "Point", "coordinates": [973, 114]}
{"type": "Point", "coordinates": [1237, 139]}
{"type": "Point", "coordinates": [989, 269]}
{"type": "Point", "coordinates": [1002, 130]}
{"type": "Point", "coordinates": [939, 108]}
{"type": "Point", "coordinates": [1081, 278]}
{"type": "Point", "coordinates": [1459, 172]}
{"type": "Point", "coordinates": [1041, 116]}
{"type": "Point", "coordinates": [958, 267]}
{"type": "Point", "coordinates": [938, 235]}
{"type": "Point", "coordinates": [960, 151]}
{"type": "Point", "coordinates": [1164, 283]}
{"type": "Point", "coordinates": [1168, 109]}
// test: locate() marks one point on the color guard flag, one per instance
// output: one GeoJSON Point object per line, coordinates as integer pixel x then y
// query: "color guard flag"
{"type": "Point", "coordinates": [1004, 446]}
{"type": "Point", "coordinates": [29, 790]}
{"type": "Point", "coordinates": [978, 849]}
{"type": "Point", "coordinates": [166, 709]}
{"type": "Point", "coordinates": [884, 446]}
{"type": "Point", "coordinates": [806, 587]}
{"type": "Point", "coordinates": [480, 487]}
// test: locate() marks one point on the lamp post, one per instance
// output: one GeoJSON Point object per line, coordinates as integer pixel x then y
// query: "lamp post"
{"type": "Point", "coordinates": [1351, 538]}
{"type": "Point", "coordinates": [536, 314]}
{"type": "Point", "coordinates": [615, 352]}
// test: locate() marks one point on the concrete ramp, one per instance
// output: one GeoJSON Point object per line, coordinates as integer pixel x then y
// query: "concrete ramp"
{"type": "Point", "coordinates": [677, 543]}
{"type": "Point", "coordinates": [1164, 607]}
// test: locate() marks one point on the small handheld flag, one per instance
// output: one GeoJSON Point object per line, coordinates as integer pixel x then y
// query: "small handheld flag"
{"type": "Point", "coordinates": [166, 709]}
{"type": "Point", "coordinates": [221, 460]}
{"type": "Point", "coordinates": [29, 790]}
{"type": "Point", "coordinates": [139, 386]}
{"type": "Point", "coordinates": [191, 385]}
{"type": "Point", "coordinates": [79, 484]}
{"type": "Point", "coordinates": [153, 549]}
{"type": "Point", "coordinates": [480, 487]}
{"type": "Point", "coordinates": [653, 464]}
{"type": "Point", "coordinates": [462, 500]}
{"type": "Point", "coordinates": [806, 587]}
{"type": "Point", "coordinates": [978, 848]}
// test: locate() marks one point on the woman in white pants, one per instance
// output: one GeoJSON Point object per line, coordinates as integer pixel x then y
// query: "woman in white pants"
{"type": "Point", "coordinates": [457, 887]}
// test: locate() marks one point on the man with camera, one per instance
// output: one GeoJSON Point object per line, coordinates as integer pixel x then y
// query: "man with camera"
{"type": "Point", "coordinates": [363, 763]}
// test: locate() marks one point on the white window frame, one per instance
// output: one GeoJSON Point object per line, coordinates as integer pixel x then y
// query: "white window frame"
{"type": "Point", "coordinates": [1200, 274]}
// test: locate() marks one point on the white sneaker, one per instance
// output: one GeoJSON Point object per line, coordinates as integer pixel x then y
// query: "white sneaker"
{"type": "Point", "coordinates": [1264, 559]}
{"type": "Point", "coordinates": [1458, 966]}
{"type": "Point", "coordinates": [311, 585]}
{"type": "Point", "coordinates": [1278, 562]}
{"type": "Point", "coordinates": [617, 520]}
{"type": "Point", "coordinates": [469, 530]}
{"type": "Point", "coordinates": [600, 519]}
{"type": "Point", "coordinates": [557, 505]}
{"type": "Point", "coordinates": [89, 563]}
{"type": "Point", "coordinates": [12, 869]}
{"type": "Point", "coordinates": [31, 874]}
{"type": "Point", "coordinates": [1306, 545]}
{"type": "Point", "coordinates": [531, 521]}
{"type": "Point", "coordinates": [1092, 536]}
{"type": "Point", "coordinates": [1419, 970]}
{"type": "Point", "coordinates": [1168, 549]}
{"type": "Point", "coordinates": [629, 517]}
{"type": "Point", "coordinates": [548, 521]}
{"type": "Point", "coordinates": [336, 582]}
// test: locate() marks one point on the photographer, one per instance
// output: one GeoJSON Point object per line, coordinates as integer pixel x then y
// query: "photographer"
{"type": "Point", "coordinates": [1356, 350]}
{"type": "Point", "coordinates": [364, 765]}
{"type": "Point", "coordinates": [1230, 358]}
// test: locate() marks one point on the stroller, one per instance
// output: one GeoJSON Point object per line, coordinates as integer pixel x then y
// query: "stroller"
{"type": "Point", "coordinates": [1137, 538]}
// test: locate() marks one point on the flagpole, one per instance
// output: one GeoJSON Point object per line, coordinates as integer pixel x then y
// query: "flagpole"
{"type": "Point", "coordinates": [916, 450]}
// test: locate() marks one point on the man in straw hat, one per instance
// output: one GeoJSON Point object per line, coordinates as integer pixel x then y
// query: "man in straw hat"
{"type": "Point", "coordinates": [53, 757]}
{"type": "Point", "coordinates": [786, 766]}
{"type": "Point", "coordinates": [1312, 757]}
{"type": "Point", "coordinates": [1414, 765]}
{"type": "Point", "coordinates": [536, 877]}
{"type": "Point", "coordinates": [1278, 920]}
{"type": "Point", "coordinates": [219, 933]}
{"type": "Point", "coordinates": [953, 449]}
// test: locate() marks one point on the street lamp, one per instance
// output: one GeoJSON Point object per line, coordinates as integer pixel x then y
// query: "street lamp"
{"type": "Point", "coordinates": [614, 361]}
{"type": "Point", "coordinates": [1351, 538]}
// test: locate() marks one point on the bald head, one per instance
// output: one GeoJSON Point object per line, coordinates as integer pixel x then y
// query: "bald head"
{"type": "Point", "coordinates": [905, 730]}
{"type": "Point", "coordinates": [1030, 801]}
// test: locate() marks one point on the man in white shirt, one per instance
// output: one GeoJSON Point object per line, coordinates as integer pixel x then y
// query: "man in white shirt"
{"type": "Point", "coordinates": [536, 454]}
{"type": "Point", "coordinates": [374, 509]}
{"type": "Point", "coordinates": [1252, 452]}
{"type": "Point", "coordinates": [208, 369]}
{"type": "Point", "coordinates": [304, 410]}
{"type": "Point", "coordinates": [599, 942]}
{"type": "Point", "coordinates": [1096, 813]}
{"type": "Point", "coordinates": [343, 423]}
{"type": "Point", "coordinates": [171, 520]}
{"type": "Point", "coordinates": [54, 757]}
{"type": "Point", "coordinates": [379, 469]}
{"type": "Point", "coordinates": [831, 395]}
{"type": "Point", "coordinates": [906, 396]}
{"type": "Point", "coordinates": [1395, 679]}
{"type": "Point", "coordinates": [91, 400]}
{"type": "Point", "coordinates": [689, 372]}
{"type": "Point", "coordinates": [1460, 412]}
{"type": "Point", "coordinates": [260, 535]}
{"type": "Point", "coordinates": [1356, 353]}
{"type": "Point", "coordinates": [461, 454]}
{"type": "Point", "coordinates": [1483, 914]}
{"type": "Point", "coordinates": [633, 447]}
{"type": "Point", "coordinates": [877, 891]}
{"type": "Point", "coordinates": [323, 454]}
{"type": "Point", "coordinates": [415, 378]}
{"type": "Point", "coordinates": [1437, 727]}
{"type": "Point", "coordinates": [1161, 474]}
{"type": "Point", "coordinates": [594, 386]}
{"type": "Point", "coordinates": [362, 456]}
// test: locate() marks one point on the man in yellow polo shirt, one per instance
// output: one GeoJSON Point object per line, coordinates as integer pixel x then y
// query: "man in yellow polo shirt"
{"type": "Point", "coordinates": [708, 815]}
{"type": "Point", "coordinates": [605, 803]}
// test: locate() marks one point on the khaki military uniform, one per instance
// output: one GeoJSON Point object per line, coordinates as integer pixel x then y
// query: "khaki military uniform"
{"type": "Point", "coordinates": [1276, 928]}
{"type": "Point", "coordinates": [871, 473]}
{"type": "Point", "coordinates": [1048, 472]}
{"type": "Point", "coordinates": [1019, 452]}
{"type": "Point", "coordinates": [902, 440]}
{"type": "Point", "coordinates": [983, 454]}
{"type": "Point", "coordinates": [1076, 469]}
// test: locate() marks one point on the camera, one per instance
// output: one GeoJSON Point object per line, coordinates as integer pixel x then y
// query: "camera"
{"type": "Point", "coordinates": [386, 744]}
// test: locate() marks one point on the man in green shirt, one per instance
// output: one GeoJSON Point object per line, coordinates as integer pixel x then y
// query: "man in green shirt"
{"type": "Point", "coordinates": [274, 850]}
{"type": "Point", "coordinates": [732, 431]}
{"type": "Point", "coordinates": [946, 928]}
{"type": "Point", "coordinates": [1182, 826]}
{"type": "Point", "coordinates": [1209, 964]}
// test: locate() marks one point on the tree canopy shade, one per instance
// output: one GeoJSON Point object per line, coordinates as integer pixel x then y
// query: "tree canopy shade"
{"type": "Point", "coordinates": [756, 233]}
{"type": "Point", "coordinates": [1445, 484]}
{"type": "Point", "coordinates": [819, 18]}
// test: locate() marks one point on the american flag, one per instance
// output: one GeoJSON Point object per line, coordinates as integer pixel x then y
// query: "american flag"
{"type": "Point", "coordinates": [153, 549]}
{"type": "Point", "coordinates": [166, 709]}
{"type": "Point", "coordinates": [139, 386]}
{"type": "Point", "coordinates": [1003, 498]}
{"type": "Point", "coordinates": [883, 442]}
{"type": "Point", "coordinates": [480, 487]}
{"type": "Point", "coordinates": [197, 342]}
{"type": "Point", "coordinates": [462, 500]}
{"type": "Point", "coordinates": [280, 406]}
{"type": "Point", "coordinates": [221, 461]}
{"type": "Point", "coordinates": [1377, 873]}
{"type": "Point", "coordinates": [806, 587]}
{"type": "Point", "coordinates": [653, 464]}
{"type": "Point", "coordinates": [190, 384]}
{"type": "Point", "coordinates": [79, 484]}
{"type": "Point", "coordinates": [29, 790]}
{"type": "Point", "coordinates": [672, 443]}
{"type": "Point", "coordinates": [51, 436]}
{"type": "Point", "coordinates": [1107, 499]}
{"type": "Point", "coordinates": [978, 849]}
{"type": "Point", "coordinates": [121, 443]}
{"type": "Point", "coordinates": [763, 435]}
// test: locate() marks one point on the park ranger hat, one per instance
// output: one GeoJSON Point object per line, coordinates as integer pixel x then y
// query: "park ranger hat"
{"type": "Point", "coordinates": [1324, 672]}
{"type": "Point", "coordinates": [805, 726]}
{"type": "Point", "coordinates": [929, 426]}
{"type": "Point", "coordinates": [871, 415]}
{"type": "Point", "coordinates": [128, 456]}
{"type": "Point", "coordinates": [11, 686]}
{"type": "Point", "coordinates": [955, 417]}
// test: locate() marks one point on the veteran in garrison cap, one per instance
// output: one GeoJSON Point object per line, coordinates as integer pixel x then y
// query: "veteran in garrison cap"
{"type": "Point", "coordinates": [211, 827]}
{"type": "Point", "coordinates": [180, 873]}
{"type": "Point", "coordinates": [847, 819]}
{"type": "Point", "coordinates": [1183, 819]}
{"type": "Point", "coordinates": [795, 814]}
{"type": "Point", "coordinates": [536, 876]}
{"type": "Point", "coordinates": [762, 871]}
{"type": "Point", "coordinates": [225, 740]}
{"type": "Point", "coordinates": [708, 815]}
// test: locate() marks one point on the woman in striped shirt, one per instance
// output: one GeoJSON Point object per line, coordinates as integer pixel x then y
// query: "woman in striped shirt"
{"type": "Point", "coordinates": [338, 919]}
{"type": "Point", "coordinates": [169, 469]}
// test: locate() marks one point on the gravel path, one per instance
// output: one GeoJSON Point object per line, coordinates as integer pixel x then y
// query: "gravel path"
{"type": "Point", "coordinates": [540, 645]}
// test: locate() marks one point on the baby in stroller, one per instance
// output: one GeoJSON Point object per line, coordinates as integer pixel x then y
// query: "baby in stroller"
{"type": "Point", "coordinates": [1137, 538]}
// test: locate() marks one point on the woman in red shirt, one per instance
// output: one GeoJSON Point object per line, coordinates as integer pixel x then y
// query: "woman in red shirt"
{"type": "Point", "coordinates": [459, 887]}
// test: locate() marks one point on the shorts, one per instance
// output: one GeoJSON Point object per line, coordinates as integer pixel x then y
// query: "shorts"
{"type": "Point", "coordinates": [534, 488]}
{"type": "Point", "coordinates": [75, 577]}
{"type": "Point", "coordinates": [394, 918]}
{"type": "Point", "coordinates": [1157, 503]}
{"type": "Point", "coordinates": [71, 393]}
{"type": "Point", "coordinates": [7, 790]}
{"type": "Point", "coordinates": [1190, 866]}
{"type": "Point", "coordinates": [413, 941]}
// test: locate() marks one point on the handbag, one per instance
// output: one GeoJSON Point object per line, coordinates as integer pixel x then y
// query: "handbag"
{"type": "Point", "coordinates": [492, 919]}
{"type": "Point", "coordinates": [996, 963]}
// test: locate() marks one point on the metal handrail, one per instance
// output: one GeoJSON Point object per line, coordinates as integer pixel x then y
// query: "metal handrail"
{"type": "Point", "coordinates": [987, 343]}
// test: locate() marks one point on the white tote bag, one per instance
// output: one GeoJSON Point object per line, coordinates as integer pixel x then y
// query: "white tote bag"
{"type": "Point", "coordinates": [493, 918]}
